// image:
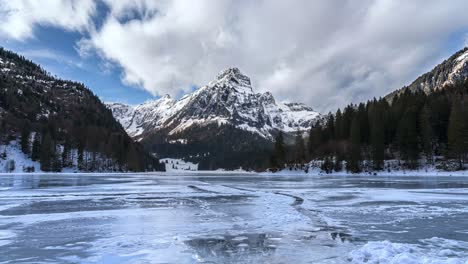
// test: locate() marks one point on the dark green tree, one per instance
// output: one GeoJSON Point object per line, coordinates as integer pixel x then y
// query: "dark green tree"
{"type": "Point", "coordinates": [25, 133]}
{"type": "Point", "coordinates": [36, 147]}
{"type": "Point", "coordinates": [327, 165]}
{"type": "Point", "coordinates": [408, 138]}
{"type": "Point", "coordinates": [338, 125]}
{"type": "Point", "coordinates": [457, 134]}
{"type": "Point", "coordinates": [80, 158]}
{"type": "Point", "coordinates": [354, 159]}
{"type": "Point", "coordinates": [279, 155]}
{"type": "Point", "coordinates": [300, 148]}
{"type": "Point", "coordinates": [66, 153]}
{"type": "Point", "coordinates": [56, 161]}
{"type": "Point", "coordinates": [377, 137]}
{"type": "Point", "coordinates": [316, 141]}
{"type": "Point", "coordinates": [426, 133]}
{"type": "Point", "coordinates": [47, 152]}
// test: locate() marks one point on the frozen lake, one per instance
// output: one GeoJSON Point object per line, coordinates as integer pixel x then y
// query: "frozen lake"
{"type": "Point", "coordinates": [232, 219]}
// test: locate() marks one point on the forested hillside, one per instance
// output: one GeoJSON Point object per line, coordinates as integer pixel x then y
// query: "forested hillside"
{"type": "Point", "coordinates": [61, 123]}
{"type": "Point", "coordinates": [416, 129]}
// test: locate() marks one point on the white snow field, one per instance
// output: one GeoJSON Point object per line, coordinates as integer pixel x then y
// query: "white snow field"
{"type": "Point", "coordinates": [229, 218]}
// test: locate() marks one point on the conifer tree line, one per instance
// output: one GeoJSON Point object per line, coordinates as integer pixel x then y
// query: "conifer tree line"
{"type": "Point", "coordinates": [87, 149]}
{"type": "Point", "coordinates": [413, 129]}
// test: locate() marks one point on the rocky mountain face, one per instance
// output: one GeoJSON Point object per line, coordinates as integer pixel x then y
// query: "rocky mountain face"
{"type": "Point", "coordinates": [204, 116]}
{"type": "Point", "coordinates": [227, 100]}
{"type": "Point", "coordinates": [54, 118]}
{"type": "Point", "coordinates": [449, 72]}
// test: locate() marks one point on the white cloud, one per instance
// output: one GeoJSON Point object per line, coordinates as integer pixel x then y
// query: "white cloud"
{"type": "Point", "coordinates": [19, 17]}
{"type": "Point", "coordinates": [324, 53]}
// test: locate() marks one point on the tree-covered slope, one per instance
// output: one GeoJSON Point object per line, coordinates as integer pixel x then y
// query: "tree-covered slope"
{"type": "Point", "coordinates": [419, 126]}
{"type": "Point", "coordinates": [59, 122]}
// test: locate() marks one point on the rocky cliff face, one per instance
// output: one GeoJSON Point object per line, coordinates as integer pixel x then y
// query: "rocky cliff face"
{"type": "Point", "coordinates": [229, 99]}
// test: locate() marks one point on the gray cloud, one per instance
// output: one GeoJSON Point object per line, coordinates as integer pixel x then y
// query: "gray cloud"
{"type": "Point", "coordinates": [324, 53]}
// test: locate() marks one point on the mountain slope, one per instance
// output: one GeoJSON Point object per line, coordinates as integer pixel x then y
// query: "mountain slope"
{"type": "Point", "coordinates": [224, 117]}
{"type": "Point", "coordinates": [227, 100]}
{"type": "Point", "coordinates": [451, 71]}
{"type": "Point", "coordinates": [60, 118]}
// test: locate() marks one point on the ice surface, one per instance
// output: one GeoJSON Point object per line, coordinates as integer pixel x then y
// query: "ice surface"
{"type": "Point", "coordinates": [232, 218]}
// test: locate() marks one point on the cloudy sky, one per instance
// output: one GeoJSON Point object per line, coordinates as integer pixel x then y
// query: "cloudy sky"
{"type": "Point", "coordinates": [323, 53]}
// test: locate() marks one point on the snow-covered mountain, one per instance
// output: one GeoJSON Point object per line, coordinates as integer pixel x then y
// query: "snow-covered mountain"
{"type": "Point", "coordinates": [229, 99]}
{"type": "Point", "coordinates": [449, 72]}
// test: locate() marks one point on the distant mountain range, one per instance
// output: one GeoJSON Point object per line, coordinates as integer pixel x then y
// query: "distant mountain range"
{"type": "Point", "coordinates": [229, 99]}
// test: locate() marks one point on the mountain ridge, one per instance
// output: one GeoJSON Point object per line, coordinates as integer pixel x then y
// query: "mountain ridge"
{"type": "Point", "coordinates": [227, 99]}
{"type": "Point", "coordinates": [446, 74]}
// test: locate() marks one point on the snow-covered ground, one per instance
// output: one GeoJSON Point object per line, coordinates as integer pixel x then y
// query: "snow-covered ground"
{"type": "Point", "coordinates": [178, 165]}
{"type": "Point", "coordinates": [429, 172]}
{"type": "Point", "coordinates": [21, 161]}
{"type": "Point", "coordinates": [391, 168]}
{"type": "Point", "coordinates": [13, 160]}
{"type": "Point", "coordinates": [229, 218]}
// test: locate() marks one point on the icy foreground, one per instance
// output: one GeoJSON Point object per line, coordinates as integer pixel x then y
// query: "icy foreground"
{"type": "Point", "coordinates": [220, 218]}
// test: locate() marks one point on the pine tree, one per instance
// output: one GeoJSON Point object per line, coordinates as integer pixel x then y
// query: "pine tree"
{"type": "Point", "coordinates": [363, 123]}
{"type": "Point", "coordinates": [354, 159]}
{"type": "Point", "coordinates": [426, 133]}
{"type": "Point", "coordinates": [300, 148]}
{"type": "Point", "coordinates": [25, 132]}
{"type": "Point", "coordinates": [279, 155]}
{"type": "Point", "coordinates": [315, 140]}
{"type": "Point", "coordinates": [338, 125]}
{"type": "Point", "coordinates": [47, 152]}
{"type": "Point", "coordinates": [408, 138]}
{"type": "Point", "coordinates": [457, 134]}
{"type": "Point", "coordinates": [133, 163]}
{"type": "Point", "coordinates": [327, 165]}
{"type": "Point", "coordinates": [377, 138]}
{"type": "Point", "coordinates": [80, 159]}
{"type": "Point", "coordinates": [66, 153]}
{"type": "Point", "coordinates": [330, 127]}
{"type": "Point", "coordinates": [338, 164]}
{"type": "Point", "coordinates": [36, 147]}
{"type": "Point", "coordinates": [56, 161]}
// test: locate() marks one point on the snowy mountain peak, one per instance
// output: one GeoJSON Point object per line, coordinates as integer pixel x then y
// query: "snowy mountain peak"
{"type": "Point", "coordinates": [298, 107]}
{"type": "Point", "coordinates": [463, 56]}
{"type": "Point", "coordinates": [229, 99]}
{"type": "Point", "coordinates": [446, 74]}
{"type": "Point", "coordinates": [232, 78]}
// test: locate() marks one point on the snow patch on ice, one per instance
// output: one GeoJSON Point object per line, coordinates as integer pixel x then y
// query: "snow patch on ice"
{"type": "Point", "coordinates": [440, 251]}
